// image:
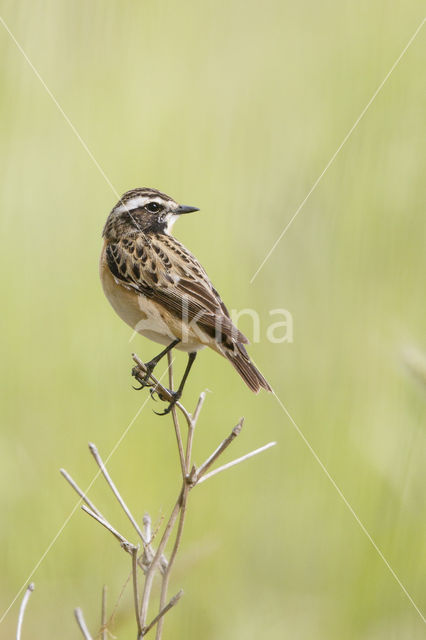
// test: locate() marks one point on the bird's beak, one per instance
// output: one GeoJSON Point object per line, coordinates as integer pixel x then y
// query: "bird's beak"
{"type": "Point", "coordinates": [183, 208]}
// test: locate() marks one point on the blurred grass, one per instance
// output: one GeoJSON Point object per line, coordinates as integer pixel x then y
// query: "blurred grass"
{"type": "Point", "coordinates": [234, 107]}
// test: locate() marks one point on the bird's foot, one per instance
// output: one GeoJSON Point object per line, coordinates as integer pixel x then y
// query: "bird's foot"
{"type": "Point", "coordinates": [175, 397]}
{"type": "Point", "coordinates": [144, 382]}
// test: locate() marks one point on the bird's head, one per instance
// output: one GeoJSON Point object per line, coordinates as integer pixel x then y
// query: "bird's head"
{"type": "Point", "coordinates": [146, 210]}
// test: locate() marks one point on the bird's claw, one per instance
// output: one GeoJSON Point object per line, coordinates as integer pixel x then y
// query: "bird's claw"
{"type": "Point", "coordinates": [138, 388]}
{"type": "Point", "coordinates": [149, 368]}
{"type": "Point", "coordinates": [175, 395]}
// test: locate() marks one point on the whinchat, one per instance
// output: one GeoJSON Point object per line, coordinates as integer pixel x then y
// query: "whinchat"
{"type": "Point", "coordinates": [161, 290]}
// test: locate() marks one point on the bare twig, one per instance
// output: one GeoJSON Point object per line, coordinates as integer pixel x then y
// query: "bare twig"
{"type": "Point", "coordinates": [125, 544]}
{"type": "Point", "coordinates": [136, 589]}
{"type": "Point", "coordinates": [221, 448]}
{"type": "Point", "coordinates": [151, 571]}
{"type": "Point", "coordinates": [82, 624]}
{"type": "Point", "coordinates": [175, 418]}
{"type": "Point", "coordinates": [166, 576]}
{"type": "Point", "coordinates": [22, 608]}
{"type": "Point", "coordinates": [237, 461]}
{"type": "Point", "coordinates": [199, 406]}
{"type": "Point", "coordinates": [188, 474]}
{"type": "Point", "coordinates": [163, 611]}
{"type": "Point", "coordinates": [102, 467]}
{"type": "Point", "coordinates": [149, 561]}
{"type": "Point", "coordinates": [104, 614]}
{"type": "Point", "coordinates": [147, 526]}
{"type": "Point", "coordinates": [79, 491]}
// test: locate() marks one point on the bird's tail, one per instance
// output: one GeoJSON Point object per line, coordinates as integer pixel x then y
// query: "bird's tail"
{"type": "Point", "coordinates": [240, 360]}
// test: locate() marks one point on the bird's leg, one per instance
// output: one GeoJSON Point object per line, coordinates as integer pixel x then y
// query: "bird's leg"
{"type": "Point", "coordinates": [177, 394]}
{"type": "Point", "coordinates": [150, 366]}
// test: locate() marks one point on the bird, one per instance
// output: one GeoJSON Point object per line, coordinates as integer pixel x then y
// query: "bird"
{"type": "Point", "coordinates": [158, 287]}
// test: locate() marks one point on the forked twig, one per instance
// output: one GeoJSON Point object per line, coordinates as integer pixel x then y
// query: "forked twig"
{"type": "Point", "coordinates": [104, 471]}
{"type": "Point", "coordinates": [146, 566]}
{"type": "Point", "coordinates": [218, 452]}
{"type": "Point", "coordinates": [125, 544]}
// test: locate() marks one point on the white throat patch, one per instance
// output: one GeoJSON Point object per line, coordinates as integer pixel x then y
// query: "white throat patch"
{"type": "Point", "coordinates": [170, 222]}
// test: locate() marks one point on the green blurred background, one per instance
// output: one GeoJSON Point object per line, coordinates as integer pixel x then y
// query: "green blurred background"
{"type": "Point", "coordinates": [234, 107]}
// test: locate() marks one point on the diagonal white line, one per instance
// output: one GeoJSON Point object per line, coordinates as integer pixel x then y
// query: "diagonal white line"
{"type": "Point", "coordinates": [347, 504]}
{"type": "Point", "coordinates": [64, 115]}
{"type": "Point", "coordinates": [77, 504]}
{"type": "Point", "coordinates": [335, 154]}
{"type": "Point", "coordinates": [67, 120]}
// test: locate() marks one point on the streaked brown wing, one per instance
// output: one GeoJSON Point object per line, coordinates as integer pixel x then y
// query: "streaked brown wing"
{"type": "Point", "coordinates": [165, 271]}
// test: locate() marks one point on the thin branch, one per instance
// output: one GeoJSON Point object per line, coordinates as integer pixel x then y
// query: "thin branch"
{"type": "Point", "coordinates": [104, 613]}
{"type": "Point", "coordinates": [102, 467]}
{"type": "Point", "coordinates": [139, 373]}
{"type": "Point", "coordinates": [147, 526]}
{"type": "Point", "coordinates": [166, 576]}
{"type": "Point", "coordinates": [125, 544]}
{"type": "Point", "coordinates": [188, 452]}
{"type": "Point", "coordinates": [151, 571]}
{"type": "Point", "coordinates": [237, 461]}
{"type": "Point", "coordinates": [82, 624]}
{"type": "Point", "coordinates": [221, 448]}
{"type": "Point", "coordinates": [80, 492]}
{"type": "Point", "coordinates": [150, 562]}
{"type": "Point", "coordinates": [22, 608]}
{"type": "Point", "coordinates": [163, 611]}
{"type": "Point", "coordinates": [175, 418]}
{"type": "Point", "coordinates": [199, 406]}
{"type": "Point", "coordinates": [188, 473]}
{"type": "Point", "coordinates": [136, 589]}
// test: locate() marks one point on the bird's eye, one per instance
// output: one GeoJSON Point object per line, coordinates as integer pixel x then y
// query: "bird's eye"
{"type": "Point", "coordinates": [153, 207]}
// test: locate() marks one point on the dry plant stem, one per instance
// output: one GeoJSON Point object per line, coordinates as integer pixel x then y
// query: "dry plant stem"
{"type": "Point", "coordinates": [167, 608]}
{"type": "Point", "coordinates": [221, 448]}
{"type": "Point", "coordinates": [82, 624]}
{"type": "Point", "coordinates": [77, 489]}
{"type": "Point", "coordinates": [175, 418]}
{"type": "Point", "coordinates": [178, 510]}
{"type": "Point", "coordinates": [136, 589]}
{"type": "Point", "coordinates": [166, 576]}
{"type": "Point", "coordinates": [228, 465]}
{"type": "Point", "coordinates": [149, 562]}
{"type": "Point", "coordinates": [104, 614]}
{"type": "Point", "coordinates": [199, 406]}
{"type": "Point", "coordinates": [151, 571]}
{"type": "Point", "coordinates": [188, 473]}
{"type": "Point", "coordinates": [102, 467]}
{"type": "Point", "coordinates": [125, 544]}
{"type": "Point", "coordinates": [22, 608]}
{"type": "Point", "coordinates": [93, 511]}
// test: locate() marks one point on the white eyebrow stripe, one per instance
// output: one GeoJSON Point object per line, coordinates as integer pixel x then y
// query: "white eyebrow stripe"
{"type": "Point", "coordinates": [137, 202]}
{"type": "Point", "coordinates": [133, 203]}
